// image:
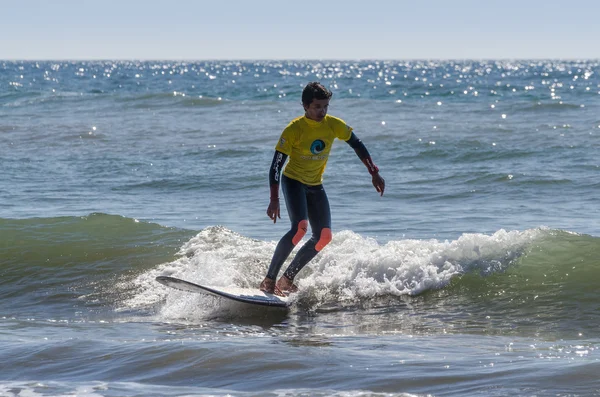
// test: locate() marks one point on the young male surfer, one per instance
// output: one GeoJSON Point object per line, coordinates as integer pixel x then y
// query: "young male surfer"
{"type": "Point", "coordinates": [307, 141]}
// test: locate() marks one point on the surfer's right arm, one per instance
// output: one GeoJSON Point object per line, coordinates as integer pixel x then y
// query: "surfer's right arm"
{"type": "Point", "coordinates": [273, 211]}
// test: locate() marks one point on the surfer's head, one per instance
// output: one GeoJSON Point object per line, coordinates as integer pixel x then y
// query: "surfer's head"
{"type": "Point", "coordinates": [315, 100]}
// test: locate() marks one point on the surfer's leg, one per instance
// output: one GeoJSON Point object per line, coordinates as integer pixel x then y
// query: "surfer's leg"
{"type": "Point", "coordinates": [319, 216]}
{"type": "Point", "coordinates": [296, 204]}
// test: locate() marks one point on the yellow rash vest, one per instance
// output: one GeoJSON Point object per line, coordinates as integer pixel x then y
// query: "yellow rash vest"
{"type": "Point", "coordinates": [308, 143]}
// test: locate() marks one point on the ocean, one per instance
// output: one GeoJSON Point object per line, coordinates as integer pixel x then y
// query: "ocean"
{"type": "Point", "coordinates": [475, 274]}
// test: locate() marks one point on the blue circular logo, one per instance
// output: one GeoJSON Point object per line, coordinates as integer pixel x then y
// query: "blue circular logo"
{"type": "Point", "coordinates": [317, 146]}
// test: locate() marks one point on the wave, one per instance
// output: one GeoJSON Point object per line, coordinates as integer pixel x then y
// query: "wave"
{"type": "Point", "coordinates": [109, 261]}
{"type": "Point", "coordinates": [546, 106]}
{"type": "Point", "coordinates": [144, 100]}
{"type": "Point", "coordinates": [56, 261]}
{"type": "Point", "coordinates": [169, 99]}
{"type": "Point", "coordinates": [49, 98]}
{"type": "Point", "coordinates": [355, 271]}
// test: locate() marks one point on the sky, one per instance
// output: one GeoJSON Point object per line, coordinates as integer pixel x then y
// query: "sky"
{"type": "Point", "coordinates": [282, 29]}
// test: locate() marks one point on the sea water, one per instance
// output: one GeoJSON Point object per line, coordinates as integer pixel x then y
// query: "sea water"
{"type": "Point", "coordinates": [475, 274]}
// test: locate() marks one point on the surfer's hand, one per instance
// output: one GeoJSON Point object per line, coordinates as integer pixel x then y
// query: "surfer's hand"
{"type": "Point", "coordinates": [378, 183]}
{"type": "Point", "coordinates": [273, 210]}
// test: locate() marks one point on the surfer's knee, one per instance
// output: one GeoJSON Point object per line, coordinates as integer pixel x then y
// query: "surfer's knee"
{"type": "Point", "coordinates": [300, 232]}
{"type": "Point", "coordinates": [325, 239]}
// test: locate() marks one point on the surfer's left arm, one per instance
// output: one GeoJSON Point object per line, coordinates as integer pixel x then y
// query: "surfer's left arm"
{"type": "Point", "coordinates": [363, 154]}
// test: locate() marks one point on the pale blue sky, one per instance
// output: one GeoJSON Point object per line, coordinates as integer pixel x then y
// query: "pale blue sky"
{"type": "Point", "coordinates": [270, 29]}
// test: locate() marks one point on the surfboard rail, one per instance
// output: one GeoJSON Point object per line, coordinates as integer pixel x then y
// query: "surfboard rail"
{"type": "Point", "coordinates": [245, 295]}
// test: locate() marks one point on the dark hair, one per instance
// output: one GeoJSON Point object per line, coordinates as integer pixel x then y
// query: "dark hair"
{"type": "Point", "coordinates": [314, 90]}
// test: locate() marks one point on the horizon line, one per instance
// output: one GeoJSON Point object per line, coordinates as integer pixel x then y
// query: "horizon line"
{"type": "Point", "coordinates": [133, 59]}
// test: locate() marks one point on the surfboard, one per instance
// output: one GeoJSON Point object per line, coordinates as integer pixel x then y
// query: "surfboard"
{"type": "Point", "coordinates": [246, 295]}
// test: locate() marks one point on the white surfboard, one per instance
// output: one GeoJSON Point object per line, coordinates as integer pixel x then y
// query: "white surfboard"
{"type": "Point", "coordinates": [246, 295]}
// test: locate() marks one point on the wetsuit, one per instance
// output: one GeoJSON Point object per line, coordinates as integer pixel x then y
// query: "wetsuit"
{"type": "Point", "coordinates": [307, 143]}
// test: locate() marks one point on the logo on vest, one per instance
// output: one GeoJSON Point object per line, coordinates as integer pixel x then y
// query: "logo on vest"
{"type": "Point", "coordinates": [317, 146]}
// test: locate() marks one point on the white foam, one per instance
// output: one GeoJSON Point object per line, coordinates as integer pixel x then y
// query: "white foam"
{"type": "Point", "coordinates": [360, 268]}
{"type": "Point", "coordinates": [351, 269]}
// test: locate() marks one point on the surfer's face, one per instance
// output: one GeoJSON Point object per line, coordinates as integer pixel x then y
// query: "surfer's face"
{"type": "Point", "coordinates": [317, 109]}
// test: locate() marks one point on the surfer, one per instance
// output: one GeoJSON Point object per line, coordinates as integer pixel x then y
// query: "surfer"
{"type": "Point", "coordinates": [307, 141]}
